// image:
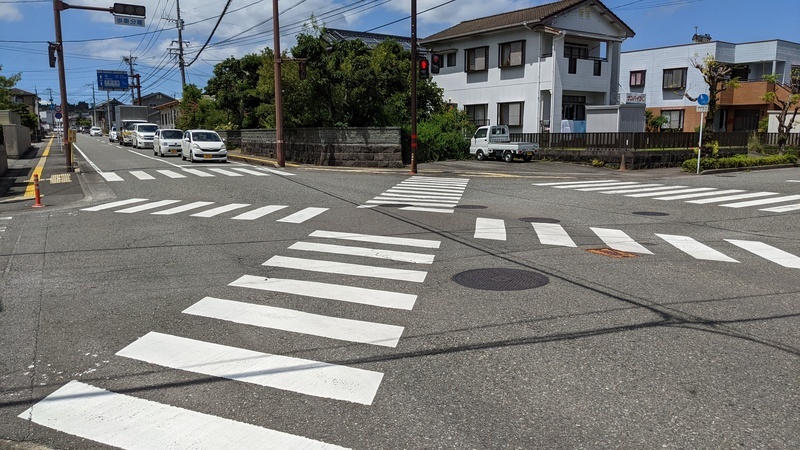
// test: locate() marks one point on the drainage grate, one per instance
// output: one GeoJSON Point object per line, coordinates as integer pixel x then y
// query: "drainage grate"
{"type": "Point", "coordinates": [610, 252]}
{"type": "Point", "coordinates": [500, 279]}
{"type": "Point", "coordinates": [650, 213]}
{"type": "Point", "coordinates": [539, 220]}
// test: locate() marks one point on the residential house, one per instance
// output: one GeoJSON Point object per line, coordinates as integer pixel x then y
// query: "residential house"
{"type": "Point", "coordinates": [28, 99]}
{"type": "Point", "coordinates": [152, 101]}
{"type": "Point", "coordinates": [534, 69]}
{"type": "Point", "coordinates": [666, 75]}
{"type": "Point", "coordinates": [168, 113]}
{"type": "Point", "coordinates": [104, 110]}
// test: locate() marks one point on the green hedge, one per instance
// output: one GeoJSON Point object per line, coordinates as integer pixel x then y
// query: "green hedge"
{"type": "Point", "coordinates": [737, 162]}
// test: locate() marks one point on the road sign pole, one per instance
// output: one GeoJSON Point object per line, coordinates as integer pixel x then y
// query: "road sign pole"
{"type": "Point", "coordinates": [700, 141]}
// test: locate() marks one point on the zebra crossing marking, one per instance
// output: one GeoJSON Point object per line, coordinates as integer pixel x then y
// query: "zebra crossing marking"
{"type": "Point", "coordinates": [393, 255]}
{"type": "Point", "coordinates": [422, 194]}
{"type": "Point", "coordinates": [552, 234]}
{"type": "Point", "coordinates": [297, 217]}
{"type": "Point", "coordinates": [171, 174]}
{"type": "Point", "coordinates": [768, 252]}
{"type": "Point", "coordinates": [564, 183]}
{"type": "Point", "coordinates": [672, 190]}
{"type": "Point", "coordinates": [220, 210]}
{"type": "Point", "coordinates": [225, 172]}
{"type": "Point", "coordinates": [695, 249]}
{"type": "Point", "coordinates": [619, 240]}
{"type": "Point", "coordinates": [142, 175]}
{"type": "Point", "coordinates": [110, 176]}
{"type": "Point", "coordinates": [763, 201]}
{"type": "Point", "coordinates": [303, 376]}
{"type": "Point", "coordinates": [358, 270]}
{"type": "Point", "coordinates": [328, 291]}
{"type": "Point", "coordinates": [303, 215]}
{"type": "Point", "coordinates": [598, 184]}
{"type": "Point", "coordinates": [259, 212]}
{"type": "Point", "coordinates": [182, 208]}
{"type": "Point", "coordinates": [423, 209]}
{"type": "Point", "coordinates": [624, 189]}
{"type": "Point", "coordinates": [785, 208]}
{"type": "Point", "coordinates": [124, 421]}
{"type": "Point", "coordinates": [493, 229]}
{"type": "Point", "coordinates": [700, 194]}
{"type": "Point", "coordinates": [298, 322]}
{"type": "Point", "coordinates": [146, 206]}
{"type": "Point", "coordinates": [114, 204]}
{"type": "Point", "coordinates": [251, 172]}
{"type": "Point", "coordinates": [180, 172]}
{"type": "Point", "coordinates": [731, 197]}
{"type": "Point", "coordinates": [199, 173]}
{"type": "Point", "coordinates": [412, 242]}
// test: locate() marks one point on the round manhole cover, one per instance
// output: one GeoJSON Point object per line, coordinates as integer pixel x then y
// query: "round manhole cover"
{"type": "Point", "coordinates": [500, 279]}
{"type": "Point", "coordinates": [650, 213]}
{"type": "Point", "coordinates": [471, 207]}
{"type": "Point", "coordinates": [539, 220]}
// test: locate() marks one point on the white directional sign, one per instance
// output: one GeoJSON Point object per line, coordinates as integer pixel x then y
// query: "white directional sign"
{"type": "Point", "coordinates": [702, 108]}
{"type": "Point", "coordinates": [132, 21]}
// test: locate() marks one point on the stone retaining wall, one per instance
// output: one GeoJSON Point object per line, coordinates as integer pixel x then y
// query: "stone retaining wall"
{"type": "Point", "coordinates": [349, 147]}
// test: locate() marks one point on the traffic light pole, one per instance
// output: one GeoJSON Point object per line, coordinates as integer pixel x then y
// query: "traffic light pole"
{"type": "Point", "coordinates": [413, 86]}
{"type": "Point", "coordinates": [59, 6]}
{"type": "Point", "coordinates": [276, 32]}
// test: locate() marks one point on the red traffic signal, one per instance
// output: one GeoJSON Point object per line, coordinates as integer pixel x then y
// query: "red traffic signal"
{"type": "Point", "coordinates": [423, 68]}
{"type": "Point", "coordinates": [436, 63]}
{"type": "Point", "coordinates": [128, 10]}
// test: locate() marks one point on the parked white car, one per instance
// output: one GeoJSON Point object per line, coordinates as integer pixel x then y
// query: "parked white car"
{"type": "Point", "coordinates": [95, 131]}
{"type": "Point", "coordinates": [495, 142]}
{"type": "Point", "coordinates": [167, 142]}
{"type": "Point", "coordinates": [112, 135]}
{"type": "Point", "coordinates": [203, 145]}
{"type": "Point", "coordinates": [142, 136]}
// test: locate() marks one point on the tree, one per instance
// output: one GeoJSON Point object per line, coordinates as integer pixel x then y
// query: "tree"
{"type": "Point", "coordinates": [198, 111]}
{"type": "Point", "coordinates": [788, 98]}
{"type": "Point", "coordinates": [717, 76]}
{"type": "Point", "coordinates": [6, 84]}
{"type": "Point", "coordinates": [653, 123]}
{"type": "Point", "coordinates": [235, 87]}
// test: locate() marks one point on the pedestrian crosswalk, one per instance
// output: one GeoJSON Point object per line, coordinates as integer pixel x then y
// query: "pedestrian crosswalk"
{"type": "Point", "coordinates": [728, 198]}
{"type": "Point", "coordinates": [126, 421]}
{"type": "Point", "coordinates": [427, 194]}
{"type": "Point", "coordinates": [3, 221]}
{"type": "Point", "coordinates": [144, 205]}
{"type": "Point", "coordinates": [182, 173]}
{"type": "Point", "coordinates": [554, 234]}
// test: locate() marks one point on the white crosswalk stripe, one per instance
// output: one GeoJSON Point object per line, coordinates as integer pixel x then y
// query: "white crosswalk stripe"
{"type": "Point", "coordinates": [731, 198]}
{"type": "Point", "coordinates": [618, 240]}
{"type": "Point", "coordinates": [226, 172]}
{"type": "Point", "coordinates": [552, 234]}
{"type": "Point", "coordinates": [358, 270]}
{"type": "Point", "coordinates": [297, 217]}
{"type": "Point", "coordinates": [393, 255]}
{"type": "Point", "coordinates": [114, 204]}
{"type": "Point", "coordinates": [183, 208]}
{"type": "Point", "coordinates": [303, 215]}
{"type": "Point", "coordinates": [768, 252]}
{"type": "Point", "coordinates": [180, 172]}
{"type": "Point", "coordinates": [142, 175]}
{"type": "Point", "coordinates": [694, 248]}
{"type": "Point", "coordinates": [699, 194]}
{"type": "Point", "coordinates": [171, 174]}
{"type": "Point", "coordinates": [392, 240]}
{"type": "Point", "coordinates": [110, 176]}
{"type": "Point", "coordinates": [786, 208]}
{"type": "Point", "coordinates": [116, 420]}
{"type": "Point", "coordinates": [146, 206]}
{"type": "Point", "coordinates": [493, 229]}
{"type": "Point", "coordinates": [424, 194]}
{"type": "Point", "coordinates": [259, 212]}
{"type": "Point", "coordinates": [199, 173]}
{"type": "Point", "coordinates": [221, 210]}
{"type": "Point", "coordinates": [763, 201]}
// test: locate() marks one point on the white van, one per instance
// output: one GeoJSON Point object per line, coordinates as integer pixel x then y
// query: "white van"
{"type": "Point", "coordinates": [142, 135]}
{"type": "Point", "coordinates": [167, 142]}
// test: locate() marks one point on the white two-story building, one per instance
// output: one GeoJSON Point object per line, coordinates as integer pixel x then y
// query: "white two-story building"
{"type": "Point", "coordinates": [535, 69]}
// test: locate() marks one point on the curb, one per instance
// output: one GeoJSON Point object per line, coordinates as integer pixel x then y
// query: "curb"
{"type": "Point", "coordinates": [746, 169]}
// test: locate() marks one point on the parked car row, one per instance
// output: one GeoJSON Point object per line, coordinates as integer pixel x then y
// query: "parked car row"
{"type": "Point", "coordinates": [194, 145]}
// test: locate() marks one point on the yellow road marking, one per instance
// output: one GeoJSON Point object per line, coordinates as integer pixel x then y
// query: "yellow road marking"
{"type": "Point", "coordinates": [30, 190]}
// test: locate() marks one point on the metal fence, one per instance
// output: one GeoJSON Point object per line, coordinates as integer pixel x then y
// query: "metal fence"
{"type": "Point", "coordinates": [627, 141]}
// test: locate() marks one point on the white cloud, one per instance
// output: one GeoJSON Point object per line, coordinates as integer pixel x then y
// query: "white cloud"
{"type": "Point", "coordinates": [10, 13]}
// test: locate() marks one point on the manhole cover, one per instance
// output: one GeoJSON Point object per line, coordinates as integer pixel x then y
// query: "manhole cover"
{"type": "Point", "coordinates": [500, 279]}
{"type": "Point", "coordinates": [471, 207]}
{"type": "Point", "coordinates": [610, 252]}
{"type": "Point", "coordinates": [650, 213]}
{"type": "Point", "coordinates": [539, 220]}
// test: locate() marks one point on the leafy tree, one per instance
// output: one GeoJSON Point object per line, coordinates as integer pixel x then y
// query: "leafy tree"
{"type": "Point", "coordinates": [653, 123]}
{"type": "Point", "coordinates": [788, 99]}
{"type": "Point", "coordinates": [198, 111]}
{"type": "Point", "coordinates": [444, 135]}
{"type": "Point", "coordinates": [235, 88]}
{"type": "Point", "coordinates": [6, 84]}
{"type": "Point", "coordinates": [717, 76]}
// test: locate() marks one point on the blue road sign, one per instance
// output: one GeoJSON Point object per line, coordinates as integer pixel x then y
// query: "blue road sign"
{"type": "Point", "coordinates": [702, 99]}
{"type": "Point", "coordinates": [112, 80]}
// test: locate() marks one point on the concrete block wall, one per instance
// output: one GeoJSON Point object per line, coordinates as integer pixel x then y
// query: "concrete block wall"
{"type": "Point", "coordinates": [17, 140]}
{"type": "Point", "coordinates": [348, 147]}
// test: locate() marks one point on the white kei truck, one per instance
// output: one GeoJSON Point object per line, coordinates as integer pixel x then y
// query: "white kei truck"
{"type": "Point", "coordinates": [495, 141]}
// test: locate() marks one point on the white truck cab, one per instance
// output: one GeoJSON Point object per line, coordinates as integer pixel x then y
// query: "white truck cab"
{"type": "Point", "coordinates": [495, 141]}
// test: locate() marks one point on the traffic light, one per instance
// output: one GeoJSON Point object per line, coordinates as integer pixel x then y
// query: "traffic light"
{"type": "Point", "coordinates": [302, 66]}
{"type": "Point", "coordinates": [128, 10]}
{"type": "Point", "coordinates": [51, 53]}
{"type": "Point", "coordinates": [436, 63]}
{"type": "Point", "coordinates": [423, 68]}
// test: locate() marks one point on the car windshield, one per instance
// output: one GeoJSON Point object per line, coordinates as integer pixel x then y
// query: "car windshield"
{"type": "Point", "coordinates": [171, 134]}
{"type": "Point", "coordinates": [206, 137]}
{"type": "Point", "coordinates": [148, 128]}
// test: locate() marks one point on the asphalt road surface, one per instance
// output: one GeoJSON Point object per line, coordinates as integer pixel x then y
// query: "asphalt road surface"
{"type": "Point", "coordinates": [154, 303]}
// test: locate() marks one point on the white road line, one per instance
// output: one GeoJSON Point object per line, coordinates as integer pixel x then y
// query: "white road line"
{"type": "Point", "coordinates": [226, 172]}
{"type": "Point", "coordinates": [422, 192]}
{"type": "Point", "coordinates": [142, 175]}
{"type": "Point", "coordinates": [410, 203]}
{"type": "Point", "coordinates": [701, 194]}
{"type": "Point", "coordinates": [552, 234]}
{"type": "Point", "coordinates": [418, 208]}
{"type": "Point", "coordinates": [768, 252]}
{"type": "Point", "coordinates": [298, 322]}
{"type": "Point", "coordinates": [351, 294]}
{"type": "Point", "coordinates": [564, 183]}
{"type": "Point", "coordinates": [672, 189]}
{"type": "Point", "coordinates": [675, 190]}
{"type": "Point", "coordinates": [251, 172]}
{"type": "Point", "coordinates": [416, 198]}
{"type": "Point", "coordinates": [357, 270]}
{"type": "Point", "coordinates": [278, 172]}
{"type": "Point", "coordinates": [182, 208]}
{"type": "Point", "coordinates": [392, 255]}
{"type": "Point", "coordinates": [600, 185]}
{"type": "Point", "coordinates": [303, 215]}
{"type": "Point", "coordinates": [623, 189]}
{"type": "Point", "coordinates": [410, 242]}
{"type": "Point", "coordinates": [618, 240]}
{"type": "Point", "coordinates": [426, 189]}
{"type": "Point", "coordinates": [220, 210]}
{"type": "Point", "coordinates": [785, 208]}
{"type": "Point", "coordinates": [460, 181]}
{"type": "Point", "coordinates": [732, 197]}
{"type": "Point", "coordinates": [110, 176]}
{"type": "Point", "coordinates": [114, 204]}
{"type": "Point", "coordinates": [493, 229]}
{"type": "Point", "coordinates": [695, 249]}
{"type": "Point", "coordinates": [432, 196]}
{"type": "Point", "coordinates": [281, 372]}
{"type": "Point", "coordinates": [763, 201]}
{"type": "Point", "coordinates": [629, 184]}
{"type": "Point", "coordinates": [259, 212]}
{"type": "Point", "coordinates": [199, 173]}
{"type": "Point", "coordinates": [171, 173]}
{"type": "Point", "coordinates": [130, 422]}
{"type": "Point", "coordinates": [146, 206]}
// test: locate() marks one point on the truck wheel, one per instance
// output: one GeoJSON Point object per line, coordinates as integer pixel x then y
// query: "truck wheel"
{"type": "Point", "coordinates": [480, 156]}
{"type": "Point", "coordinates": [508, 157]}
{"type": "Point", "coordinates": [527, 158]}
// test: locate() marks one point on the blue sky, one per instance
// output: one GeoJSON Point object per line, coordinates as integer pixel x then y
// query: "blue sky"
{"type": "Point", "coordinates": [93, 42]}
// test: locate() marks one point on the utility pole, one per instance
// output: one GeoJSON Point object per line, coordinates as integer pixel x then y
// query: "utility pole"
{"type": "Point", "coordinates": [276, 32]}
{"type": "Point", "coordinates": [181, 62]}
{"type": "Point", "coordinates": [59, 6]}
{"type": "Point", "coordinates": [130, 60]}
{"type": "Point", "coordinates": [414, 63]}
{"type": "Point", "coordinates": [94, 106]}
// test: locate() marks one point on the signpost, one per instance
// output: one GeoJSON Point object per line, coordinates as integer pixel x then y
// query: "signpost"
{"type": "Point", "coordinates": [112, 80]}
{"type": "Point", "coordinates": [702, 108]}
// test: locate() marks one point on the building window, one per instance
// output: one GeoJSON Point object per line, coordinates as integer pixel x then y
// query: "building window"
{"type": "Point", "coordinates": [579, 51]}
{"type": "Point", "coordinates": [509, 114]}
{"type": "Point", "coordinates": [450, 59]}
{"type": "Point", "coordinates": [573, 66]}
{"type": "Point", "coordinates": [741, 72]}
{"type": "Point", "coordinates": [573, 107]}
{"type": "Point", "coordinates": [674, 78]}
{"type": "Point", "coordinates": [512, 54]}
{"type": "Point", "coordinates": [598, 67]}
{"type": "Point", "coordinates": [637, 78]}
{"type": "Point", "coordinates": [476, 59]}
{"type": "Point", "coordinates": [477, 114]}
{"type": "Point", "coordinates": [674, 120]}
